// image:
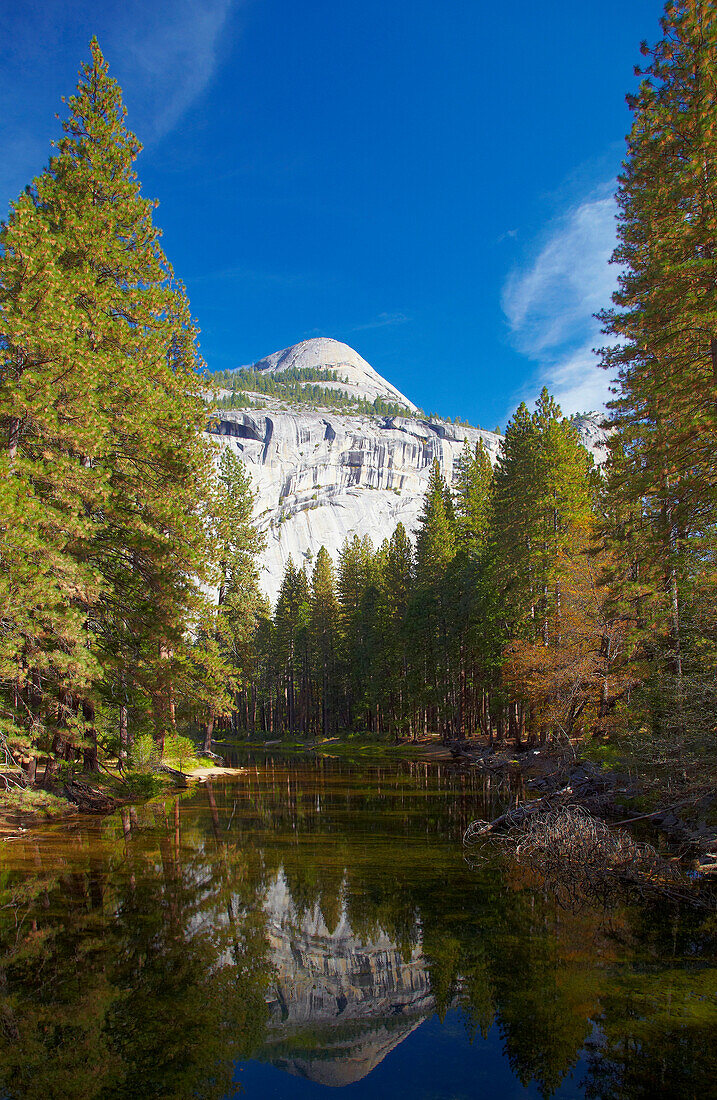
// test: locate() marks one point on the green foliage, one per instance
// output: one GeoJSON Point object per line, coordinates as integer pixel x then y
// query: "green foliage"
{"type": "Point", "coordinates": [180, 752]}
{"type": "Point", "coordinates": [34, 802]}
{"type": "Point", "coordinates": [107, 490]}
{"type": "Point", "coordinates": [435, 542]}
{"type": "Point", "coordinates": [145, 753]}
{"type": "Point", "coordinates": [661, 499]}
{"type": "Point", "coordinates": [141, 784]}
{"type": "Point", "coordinates": [474, 482]}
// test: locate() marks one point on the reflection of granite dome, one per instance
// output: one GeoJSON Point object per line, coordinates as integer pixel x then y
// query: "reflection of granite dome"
{"type": "Point", "coordinates": [356, 376]}
{"type": "Point", "coordinates": [345, 1057]}
{"type": "Point", "coordinates": [339, 1003]}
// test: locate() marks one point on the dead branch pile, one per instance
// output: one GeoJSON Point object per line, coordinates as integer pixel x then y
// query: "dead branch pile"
{"type": "Point", "coordinates": [88, 799]}
{"type": "Point", "coordinates": [570, 839]}
{"type": "Point", "coordinates": [516, 816]}
{"type": "Point", "coordinates": [580, 855]}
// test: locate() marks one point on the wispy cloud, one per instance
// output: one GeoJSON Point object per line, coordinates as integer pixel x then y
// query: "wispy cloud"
{"type": "Point", "coordinates": [172, 51]}
{"type": "Point", "coordinates": [164, 53]}
{"type": "Point", "coordinates": [550, 302]}
{"type": "Point", "coordinates": [383, 320]}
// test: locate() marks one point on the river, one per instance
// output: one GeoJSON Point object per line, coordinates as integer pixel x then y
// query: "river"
{"type": "Point", "coordinates": [314, 924]}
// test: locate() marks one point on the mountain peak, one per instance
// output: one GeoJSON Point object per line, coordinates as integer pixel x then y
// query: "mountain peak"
{"type": "Point", "coordinates": [354, 374]}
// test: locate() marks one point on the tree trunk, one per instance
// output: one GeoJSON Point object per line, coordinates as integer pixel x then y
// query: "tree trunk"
{"type": "Point", "coordinates": [208, 732]}
{"type": "Point", "coordinates": [89, 755]}
{"type": "Point", "coordinates": [123, 736]}
{"type": "Point", "coordinates": [13, 438]}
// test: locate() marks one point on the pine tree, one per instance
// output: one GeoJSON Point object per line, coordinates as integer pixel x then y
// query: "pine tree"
{"type": "Point", "coordinates": [324, 624]}
{"type": "Point", "coordinates": [431, 611]}
{"type": "Point", "coordinates": [225, 656]}
{"type": "Point", "coordinates": [396, 650]}
{"type": "Point", "coordinates": [514, 521]}
{"type": "Point", "coordinates": [436, 537]}
{"type": "Point", "coordinates": [357, 586]}
{"type": "Point", "coordinates": [291, 621]}
{"type": "Point", "coordinates": [544, 489]}
{"type": "Point", "coordinates": [47, 480]}
{"type": "Point", "coordinates": [100, 399]}
{"type": "Point", "coordinates": [474, 478]}
{"type": "Point", "coordinates": [543, 507]}
{"type": "Point", "coordinates": [662, 479]}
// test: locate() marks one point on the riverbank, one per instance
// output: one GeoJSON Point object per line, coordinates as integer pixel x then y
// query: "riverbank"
{"type": "Point", "coordinates": [429, 748]}
{"type": "Point", "coordinates": [95, 793]}
{"type": "Point", "coordinates": [611, 792]}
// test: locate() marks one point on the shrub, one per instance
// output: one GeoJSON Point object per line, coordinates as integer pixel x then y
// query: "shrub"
{"type": "Point", "coordinates": [145, 753]}
{"type": "Point", "coordinates": [179, 752]}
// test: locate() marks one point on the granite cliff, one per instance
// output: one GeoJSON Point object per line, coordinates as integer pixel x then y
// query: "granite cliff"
{"type": "Point", "coordinates": [322, 475]}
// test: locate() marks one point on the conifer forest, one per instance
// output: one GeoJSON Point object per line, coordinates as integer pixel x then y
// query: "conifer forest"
{"type": "Point", "coordinates": [542, 600]}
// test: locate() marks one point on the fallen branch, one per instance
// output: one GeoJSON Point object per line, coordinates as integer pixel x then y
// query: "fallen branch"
{"type": "Point", "coordinates": [516, 815]}
{"type": "Point", "coordinates": [662, 811]}
{"type": "Point", "coordinates": [180, 777]}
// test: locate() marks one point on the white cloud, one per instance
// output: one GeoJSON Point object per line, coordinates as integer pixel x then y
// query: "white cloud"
{"type": "Point", "coordinates": [164, 53]}
{"type": "Point", "coordinates": [171, 53]}
{"type": "Point", "coordinates": [550, 303]}
{"type": "Point", "coordinates": [383, 320]}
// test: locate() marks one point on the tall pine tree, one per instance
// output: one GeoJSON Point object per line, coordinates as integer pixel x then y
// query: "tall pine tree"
{"type": "Point", "coordinates": [662, 473]}
{"type": "Point", "coordinates": [105, 468]}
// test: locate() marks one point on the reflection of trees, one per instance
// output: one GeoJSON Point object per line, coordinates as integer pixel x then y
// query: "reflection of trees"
{"type": "Point", "coordinates": [658, 1018]}
{"type": "Point", "coordinates": [134, 958]}
{"type": "Point", "coordinates": [121, 980]}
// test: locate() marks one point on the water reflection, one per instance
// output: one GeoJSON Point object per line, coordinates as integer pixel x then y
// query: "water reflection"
{"type": "Point", "coordinates": [311, 918]}
{"type": "Point", "coordinates": [356, 996]}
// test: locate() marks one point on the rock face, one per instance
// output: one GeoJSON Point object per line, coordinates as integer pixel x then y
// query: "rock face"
{"type": "Point", "coordinates": [321, 476]}
{"type": "Point", "coordinates": [593, 435]}
{"type": "Point", "coordinates": [361, 997]}
{"type": "Point", "coordinates": [357, 377]}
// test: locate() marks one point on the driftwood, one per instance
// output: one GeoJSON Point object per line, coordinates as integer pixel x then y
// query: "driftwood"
{"type": "Point", "coordinates": [181, 778]}
{"type": "Point", "coordinates": [516, 815]}
{"type": "Point", "coordinates": [89, 799]}
{"type": "Point", "coordinates": [579, 855]}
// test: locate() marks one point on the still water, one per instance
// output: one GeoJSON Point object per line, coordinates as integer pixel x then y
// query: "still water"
{"type": "Point", "coordinates": [308, 926]}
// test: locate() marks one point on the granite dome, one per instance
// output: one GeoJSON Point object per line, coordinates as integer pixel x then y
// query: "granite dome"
{"type": "Point", "coordinates": [356, 376]}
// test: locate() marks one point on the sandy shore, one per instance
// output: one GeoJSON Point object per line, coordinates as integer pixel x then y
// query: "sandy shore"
{"type": "Point", "coordinates": [214, 773]}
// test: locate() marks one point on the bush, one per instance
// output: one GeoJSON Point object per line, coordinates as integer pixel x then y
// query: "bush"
{"type": "Point", "coordinates": [145, 753]}
{"type": "Point", "coordinates": [143, 785]}
{"type": "Point", "coordinates": [179, 752]}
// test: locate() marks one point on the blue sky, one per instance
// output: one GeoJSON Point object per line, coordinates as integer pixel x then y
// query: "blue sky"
{"type": "Point", "coordinates": [430, 182]}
